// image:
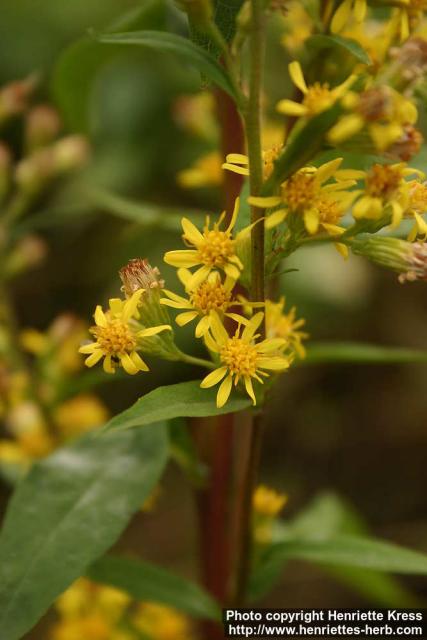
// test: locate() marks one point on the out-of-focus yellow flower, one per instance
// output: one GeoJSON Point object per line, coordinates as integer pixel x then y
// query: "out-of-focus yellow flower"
{"type": "Point", "coordinates": [205, 172]}
{"type": "Point", "coordinates": [267, 504]}
{"type": "Point", "coordinates": [242, 358]}
{"type": "Point", "coordinates": [298, 26]}
{"type": "Point", "coordinates": [408, 16]}
{"type": "Point", "coordinates": [79, 415]}
{"type": "Point", "coordinates": [385, 186]}
{"type": "Point", "coordinates": [27, 425]}
{"type": "Point", "coordinates": [417, 206]}
{"type": "Point", "coordinates": [213, 249]}
{"type": "Point", "coordinates": [348, 9]}
{"type": "Point", "coordinates": [317, 97]}
{"type": "Point", "coordinates": [90, 611]}
{"type": "Point", "coordinates": [159, 622]}
{"type": "Point", "coordinates": [285, 325]}
{"type": "Point", "coordinates": [382, 110]}
{"type": "Point", "coordinates": [196, 114]}
{"type": "Point", "coordinates": [211, 296]}
{"type": "Point", "coordinates": [11, 452]}
{"type": "Point", "coordinates": [267, 501]}
{"type": "Point", "coordinates": [117, 334]}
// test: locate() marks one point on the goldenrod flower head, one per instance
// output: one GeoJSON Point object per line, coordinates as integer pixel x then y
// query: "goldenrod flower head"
{"type": "Point", "coordinates": [407, 146]}
{"type": "Point", "coordinates": [241, 357]}
{"type": "Point", "coordinates": [416, 263]}
{"type": "Point", "coordinates": [417, 206]}
{"type": "Point", "coordinates": [407, 17]}
{"type": "Point", "coordinates": [205, 172]}
{"type": "Point", "coordinates": [317, 97]}
{"type": "Point", "coordinates": [298, 26]}
{"type": "Point", "coordinates": [382, 110]}
{"type": "Point", "coordinates": [80, 414]}
{"type": "Point", "coordinates": [160, 622]}
{"type": "Point", "coordinates": [305, 195]}
{"type": "Point", "coordinates": [239, 163]}
{"type": "Point", "coordinates": [214, 248]}
{"type": "Point", "coordinates": [139, 274]}
{"type": "Point", "coordinates": [117, 335]}
{"type": "Point", "coordinates": [268, 502]}
{"type": "Point", "coordinates": [27, 424]}
{"type": "Point", "coordinates": [285, 325]}
{"type": "Point", "coordinates": [348, 9]}
{"type": "Point", "coordinates": [385, 186]}
{"type": "Point", "coordinates": [210, 296]}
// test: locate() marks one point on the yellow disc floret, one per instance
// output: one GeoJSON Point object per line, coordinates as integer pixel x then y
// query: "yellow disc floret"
{"type": "Point", "coordinates": [239, 357]}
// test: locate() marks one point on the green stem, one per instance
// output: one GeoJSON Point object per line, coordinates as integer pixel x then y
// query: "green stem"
{"type": "Point", "coordinates": [253, 134]}
{"type": "Point", "coordinates": [250, 461]}
{"type": "Point", "coordinates": [200, 362]}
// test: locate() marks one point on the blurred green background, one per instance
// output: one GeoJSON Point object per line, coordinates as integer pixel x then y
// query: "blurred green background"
{"type": "Point", "coordinates": [359, 431]}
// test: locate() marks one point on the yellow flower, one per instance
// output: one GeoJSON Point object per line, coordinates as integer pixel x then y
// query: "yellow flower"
{"type": "Point", "coordinates": [408, 16]}
{"type": "Point", "coordinates": [213, 249]}
{"type": "Point", "coordinates": [239, 163]}
{"type": "Point", "coordinates": [382, 110]}
{"type": "Point", "coordinates": [317, 97]}
{"type": "Point", "coordinates": [299, 26]}
{"type": "Point", "coordinates": [211, 296]}
{"type": "Point", "coordinates": [348, 9]}
{"type": "Point", "coordinates": [285, 325]}
{"type": "Point", "coordinates": [417, 206]}
{"type": "Point", "coordinates": [205, 172]}
{"type": "Point", "coordinates": [79, 415]}
{"type": "Point", "coordinates": [242, 358]}
{"type": "Point", "coordinates": [117, 334]}
{"type": "Point", "coordinates": [304, 195]}
{"type": "Point", "coordinates": [268, 502]}
{"type": "Point", "coordinates": [160, 622]}
{"type": "Point", "coordinates": [385, 186]}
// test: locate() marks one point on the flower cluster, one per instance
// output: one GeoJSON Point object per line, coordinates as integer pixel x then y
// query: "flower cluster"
{"type": "Point", "coordinates": [209, 270]}
{"type": "Point", "coordinates": [88, 610]}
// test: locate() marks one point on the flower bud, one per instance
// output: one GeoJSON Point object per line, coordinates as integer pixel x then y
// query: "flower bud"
{"type": "Point", "coordinates": [70, 153]}
{"type": "Point", "coordinates": [34, 172]}
{"type": "Point", "coordinates": [139, 274]}
{"type": "Point", "coordinates": [29, 252]}
{"type": "Point", "coordinates": [408, 259]}
{"type": "Point", "coordinates": [14, 97]}
{"type": "Point", "coordinates": [41, 127]}
{"type": "Point", "coordinates": [5, 170]}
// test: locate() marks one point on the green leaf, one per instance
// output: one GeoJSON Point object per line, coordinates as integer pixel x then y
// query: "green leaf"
{"type": "Point", "coordinates": [321, 41]}
{"type": "Point", "coordinates": [69, 509]}
{"type": "Point", "coordinates": [185, 399]}
{"type": "Point", "coordinates": [304, 144]}
{"type": "Point", "coordinates": [225, 14]}
{"type": "Point", "coordinates": [328, 516]}
{"type": "Point", "coordinates": [331, 352]}
{"type": "Point", "coordinates": [144, 213]}
{"type": "Point", "coordinates": [355, 551]}
{"type": "Point", "coordinates": [77, 67]}
{"type": "Point", "coordinates": [144, 581]}
{"type": "Point", "coordinates": [180, 47]}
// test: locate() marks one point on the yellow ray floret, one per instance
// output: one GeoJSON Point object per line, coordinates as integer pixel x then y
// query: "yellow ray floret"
{"type": "Point", "coordinates": [239, 163]}
{"type": "Point", "coordinates": [387, 192]}
{"type": "Point", "coordinates": [211, 296]}
{"type": "Point", "coordinates": [348, 9]}
{"type": "Point", "coordinates": [241, 357]}
{"type": "Point", "coordinates": [316, 98]}
{"type": "Point", "coordinates": [213, 248]}
{"type": "Point", "coordinates": [305, 195]}
{"type": "Point", "coordinates": [117, 334]}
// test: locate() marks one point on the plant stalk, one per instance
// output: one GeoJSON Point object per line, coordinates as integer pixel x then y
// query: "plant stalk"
{"type": "Point", "coordinates": [250, 459]}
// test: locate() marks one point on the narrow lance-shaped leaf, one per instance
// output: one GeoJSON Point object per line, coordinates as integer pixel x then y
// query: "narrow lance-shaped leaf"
{"type": "Point", "coordinates": [68, 511]}
{"type": "Point", "coordinates": [330, 352]}
{"type": "Point", "coordinates": [180, 47]}
{"type": "Point", "coordinates": [185, 399]}
{"type": "Point", "coordinates": [355, 551]}
{"type": "Point", "coordinates": [322, 41]}
{"type": "Point", "coordinates": [145, 581]}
